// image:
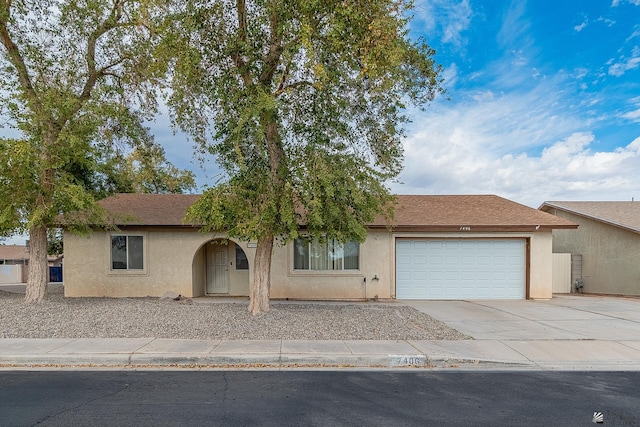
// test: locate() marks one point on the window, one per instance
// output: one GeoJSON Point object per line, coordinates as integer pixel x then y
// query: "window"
{"type": "Point", "coordinates": [127, 253]}
{"type": "Point", "coordinates": [242, 263]}
{"type": "Point", "coordinates": [329, 255]}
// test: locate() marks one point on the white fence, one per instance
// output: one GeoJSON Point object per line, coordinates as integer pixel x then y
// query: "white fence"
{"type": "Point", "coordinates": [561, 278]}
{"type": "Point", "coordinates": [10, 274]}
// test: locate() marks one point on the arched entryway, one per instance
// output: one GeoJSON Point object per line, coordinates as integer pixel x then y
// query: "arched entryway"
{"type": "Point", "coordinates": [221, 267]}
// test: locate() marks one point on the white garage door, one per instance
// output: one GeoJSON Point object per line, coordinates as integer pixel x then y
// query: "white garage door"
{"type": "Point", "coordinates": [460, 269]}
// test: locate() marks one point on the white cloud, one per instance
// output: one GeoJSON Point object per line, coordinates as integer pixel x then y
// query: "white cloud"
{"type": "Point", "coordinates": [633, 115]}
{"type": "Point", "coordinates": [625, 64]}
{"type": "Point", "coordinates": [459, 17]}
{"type": "Point", "coordinates": [529, 146]}
{"type": "Point", "coordinates": [580, 27]}
{"type": "Point", "coordinates": [450, 76]}
{"type": "Point", "coordinates": [636, 33]}
{"type": "Point", "coordinates": [451, 18]}
{"type": "Point", "coordinates": [608, 22]}
{"type": "Point", "coordinates": [514, 24]}
{"type": "Point", "coordinates": [566, 170]}
{"type": "Point", "coordinates": [580, 72]}
{"type": "Point", "coordinates": [615, 3]}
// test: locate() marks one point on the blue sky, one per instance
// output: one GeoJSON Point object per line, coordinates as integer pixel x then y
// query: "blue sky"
{"type": "Point", "coordinates": [544, 101]}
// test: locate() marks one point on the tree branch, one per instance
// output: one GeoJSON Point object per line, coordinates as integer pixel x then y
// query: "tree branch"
{"type": "Point", "coordinates": [16, 58]}
{"type": "Point", "coordinates": [282, 89]}
{"type": "Point", "coordinates": [272, 59]}
{"type": "Point", "coordinates": [110, 23]}
{"type": "Point", "coordinates": [238, 60]}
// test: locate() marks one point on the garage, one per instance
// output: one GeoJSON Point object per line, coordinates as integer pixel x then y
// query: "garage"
{"type": "Point", "coordinates": [457, 269]}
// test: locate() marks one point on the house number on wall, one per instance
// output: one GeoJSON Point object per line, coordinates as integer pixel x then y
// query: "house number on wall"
{"type": "Point", "coordinates": [465, 228]}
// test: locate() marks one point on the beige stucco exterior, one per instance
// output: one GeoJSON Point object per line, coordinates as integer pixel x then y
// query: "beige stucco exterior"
{"type": "Point", "coordinates": [175, 260]}
{"type": "Point", "coordinates": [610, 254]}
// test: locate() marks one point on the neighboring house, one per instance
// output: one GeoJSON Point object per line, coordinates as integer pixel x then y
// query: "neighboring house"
{"type": "Point", "coordinates": [608, 239]}
{"type": "Point", "coordinates": [440, 247]}
{"type": "Point", "coordinates": [14, 255]}
{"type": "Point", "coordinates": [14, 263]}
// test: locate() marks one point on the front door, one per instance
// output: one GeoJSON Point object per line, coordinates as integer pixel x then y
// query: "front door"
{"type": "Point", "coordinates": [217, 270]}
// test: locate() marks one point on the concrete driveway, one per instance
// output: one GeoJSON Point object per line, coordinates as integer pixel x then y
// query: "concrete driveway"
{"type": "Point", "coordinates": [561, 318]}
{"type": "Point", "coordinates": [574, 332]}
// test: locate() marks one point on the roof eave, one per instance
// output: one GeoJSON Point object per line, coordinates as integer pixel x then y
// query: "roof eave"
{"type": "Point", "coordinates": [592, 217]}
{"type": "Point", "coordinates": [473, 228]}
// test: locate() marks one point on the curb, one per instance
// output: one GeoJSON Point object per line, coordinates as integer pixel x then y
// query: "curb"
{"type": "Point", "coordinates": [389, 361]}
{"type": "Point", "coordinates": [273, 360]}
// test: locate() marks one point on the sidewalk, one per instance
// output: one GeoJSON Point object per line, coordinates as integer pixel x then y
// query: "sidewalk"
{"type": "Point", "coordinates": [145, 352]}
{"type": "Point", "coordinates": [568, 333]}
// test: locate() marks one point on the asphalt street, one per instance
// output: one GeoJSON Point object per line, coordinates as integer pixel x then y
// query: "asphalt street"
{"type": "Point", "coordinates": [317, 398]}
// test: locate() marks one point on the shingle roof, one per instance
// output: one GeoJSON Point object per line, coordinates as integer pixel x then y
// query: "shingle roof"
{"type": "Point", "coordinates": [150, 209]}
{"type": "Point", "coordinates": [620, 214]}
{"type": "Point", "coordinates": [425, 213]}
{"type": "Point", "coordinates": [478, 212]}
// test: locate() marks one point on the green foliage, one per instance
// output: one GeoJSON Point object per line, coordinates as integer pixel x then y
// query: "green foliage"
{"type": "Point", "coordinates": [302, 102]}
{"type": "Point", "coordinates": [78, 79]}
{"type": "Point", "coordinates": [55, 242]}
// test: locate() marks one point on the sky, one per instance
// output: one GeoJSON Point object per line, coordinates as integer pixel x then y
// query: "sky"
{"type": "Point", "coordinates": [542, 103]}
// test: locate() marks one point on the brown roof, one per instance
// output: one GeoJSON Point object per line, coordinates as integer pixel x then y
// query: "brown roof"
{"type": "Point", "coordinates": [150, 209]}
{"type": "Point", "coordinates": [619, 214]}
{"type": "Point", "coordinates": [469, 213]}
{"type": "Point", "coordinates": [13, 252]}
{"type": "Point", "coordinates": [419, 213]}
{"type": "Point", "coordinates": [19, 252]}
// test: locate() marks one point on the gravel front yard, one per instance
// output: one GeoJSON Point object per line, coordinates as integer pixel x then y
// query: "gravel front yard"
{"type": "Point", "coordinates": [59, 317]}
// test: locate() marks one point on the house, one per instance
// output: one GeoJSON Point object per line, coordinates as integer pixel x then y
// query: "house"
{"type": "Point", "coordinates": [14, 263]}
{"type": "Point", "coordinates": [439, 247]}
{"type": "Point", "coordinates": [608, 239]}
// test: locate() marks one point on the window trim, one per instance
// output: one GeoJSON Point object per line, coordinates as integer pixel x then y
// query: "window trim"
{"type": "Point", "coordinates": [299, 272]}
{"type": "Point", "coordinates": [145, 254]}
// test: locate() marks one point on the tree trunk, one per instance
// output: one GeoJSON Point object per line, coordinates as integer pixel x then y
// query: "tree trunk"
{"type": "Point", "coordinates": [259, 294]}
{"type": "Point", "coordinates": [38, 265]}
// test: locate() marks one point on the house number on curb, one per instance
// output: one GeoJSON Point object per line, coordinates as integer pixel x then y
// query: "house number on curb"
{"type": "Point", "coordinates": [465, 228]}
{"type": "Point", "coordinates": [407, 360]}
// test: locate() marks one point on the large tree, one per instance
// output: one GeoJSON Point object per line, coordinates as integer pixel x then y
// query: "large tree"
{"type": "Point", "coordinates": [302, 102]}
{"type": "Point", "coordinates": [76, 78]}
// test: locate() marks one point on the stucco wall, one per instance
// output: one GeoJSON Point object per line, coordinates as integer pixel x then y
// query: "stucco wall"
{"type": "Point", "coordinates": [175, 261]}
{"type": "Point", "coordinates": [609, 255]}
{"type": "Point", "coordinates": [541, 265]}
{"type": "Point", "coordinates": [375, 265]}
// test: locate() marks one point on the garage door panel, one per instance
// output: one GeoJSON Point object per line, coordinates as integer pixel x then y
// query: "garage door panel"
{"type": "Point", "coordinates": [460, 269]}
{"type": "Point", "coordinates": [435, 275]}
{"type": "Point", "coordinates": [420, 275]}
{"type": "Point", "coordinates": [436, 259]}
